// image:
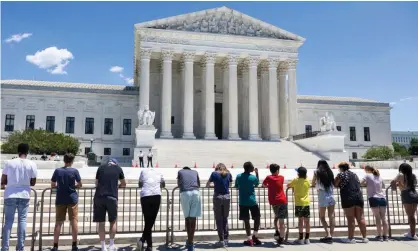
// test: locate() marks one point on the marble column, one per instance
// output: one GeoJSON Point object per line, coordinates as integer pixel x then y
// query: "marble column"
{"type": "Point", "coordinates": [283, 116]}
{"type": "Point", "coordinates": [167, 57]}
{"type": "Point", "coordinates": [144, 87]}
{"type": "Point", "coordinates": [233, 98]}
{"type": "Point", "coordinates": [292, 107]}
{"type": "Point", "coordinates": [209, 86]}
{"type": "Point", "coordinates": [225, 99]}
{"type": "Point", "coordinates": [253, 99]}
{"type": "Point", "coordinates": [188, 58]}
{"type": "Point", "coordinates": [273, 102]}
{"type": "Point", "coordinates": [245, 101]}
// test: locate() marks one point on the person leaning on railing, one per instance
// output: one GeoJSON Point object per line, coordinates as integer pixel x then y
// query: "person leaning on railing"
{"type": "Point", "coordinates": [407, 181]}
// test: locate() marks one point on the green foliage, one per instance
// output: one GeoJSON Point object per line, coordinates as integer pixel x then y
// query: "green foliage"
{"type": "Point", "coordinates": [41, 141]}
{"type": "Point", "coordinates": [413, 149]}
{"type": "Point", "coordinates": [400, 150]}
{"type": "Point", "coordinates": [379, 153]}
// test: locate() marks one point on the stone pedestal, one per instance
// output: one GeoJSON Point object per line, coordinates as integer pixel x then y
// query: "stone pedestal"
{"type": "Point", "coordinates": [145, 139]}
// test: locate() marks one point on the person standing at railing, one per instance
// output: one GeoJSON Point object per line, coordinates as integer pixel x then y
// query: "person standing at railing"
{"type": "Point", "coordinates": [66, 179]}
{"type": "Point", "coordinates": [188, 182]}
{"type": "Point", "coordinates": [108, 176]}
{"type": "Point", "coordinates": [407, 182]}
{"type": "Point", "coordinates": [351, 201]}
{"type": "Point", "coordinates": [245, 183]}
{"type": "Point", "coordinates": [17, 177]}
{"type": "Point", "coordinates": [301, 188]}
{"type": "Point", "coordinates": [222, 179]}
{"type": "Point", "coordinates": [377, 200]}
{"type": "Point", "coordinates": [323, 181]}
{"type": "Point", "coordinates": [151, 181]}
{"type": "Point", "coordinates": [277, 200]}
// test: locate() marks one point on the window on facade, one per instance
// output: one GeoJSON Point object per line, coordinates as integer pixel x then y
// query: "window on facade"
{"type": "Point", "coordinates": [107, 151]}
{"type": "Point", "coordinates": [69, 124]}
{"type": "Point", "coordinates": [126, 151]}
{"type": "Point", "coordinates": [89, 127]}
{"type": "Point", "coordinates": [50, 123]}
{"type": "Point", "coordinates": [30, 122]}
{"type": "Point", "coordinates": [87, 150]}
{"type": "Point", "coordinates": [354, 154]}
{"type": "Point", "coordinates": [353, 133]}
{"type": "Point", "coordinates": [127, 126]}
{"type": "Point", "coordinates": [9, 123]}
{"type": "Point", "coordinates": [308, 129]}
{"type": "Point", "coordinates": [366, 133]}
{"type": "Point", "coordinates": [339, 128]}
{"type": "Point", "coordinates": [108, 126]}
{"type": "Point", "coordinates": [172, 120]}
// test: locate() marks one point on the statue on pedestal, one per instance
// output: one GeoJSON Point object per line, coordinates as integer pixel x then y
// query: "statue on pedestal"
{"type": "Point", "coordinates": [327, 123]}
{"type": "Point", "coordinates": [146, 117]}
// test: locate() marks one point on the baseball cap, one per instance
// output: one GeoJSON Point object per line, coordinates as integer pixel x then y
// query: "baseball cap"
{"type": "Point", "coordinates": [301, 170]}
{"type": "Point", "coordinates": [113, 161]}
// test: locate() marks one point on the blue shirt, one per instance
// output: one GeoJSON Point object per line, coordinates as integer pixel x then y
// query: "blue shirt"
{"type": "Point", "coordinates": [221, 183]}
{"type": "Point", "coordinates": [245, 183]}
{"type": "Point", "coordinates": [65, 177]}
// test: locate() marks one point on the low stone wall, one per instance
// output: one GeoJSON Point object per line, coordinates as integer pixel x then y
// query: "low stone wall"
{"type": "Point", "coordinates": [388, 164]}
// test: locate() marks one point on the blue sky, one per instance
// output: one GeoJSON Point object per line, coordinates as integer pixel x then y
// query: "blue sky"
{"type": "Point", "coordinates": [359, 49]}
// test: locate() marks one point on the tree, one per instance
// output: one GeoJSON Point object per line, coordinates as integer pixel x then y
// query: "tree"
{"type": "Point", "coordinates": [413, 149]}
{"type": "Point", "coordinates": [379, 153]}
{"type": "Point", "coordinates": [41, 141]}
{"type": "Point", "coordinates": [400, 150]}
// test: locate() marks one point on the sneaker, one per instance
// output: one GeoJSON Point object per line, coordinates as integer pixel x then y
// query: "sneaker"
{"type": "Point", "coordinates": [74, 248]}
{"type": "Point", "coordinates": [276, 236]}
{"type": "Point", "coordinates": [307, 241]}
{"type": "Point", "coordinates": [54, 249]}
{"type": "Point", "coordinates": [190, 247]}
{"type": "Point", "coordinates": [148, 249]}
{"type": "Point", "coordinates": [349, 241]}
{"type": "Point", "coordinates": [385, 238]}
{"type": "Point", "coordinates": [326, 240]}
{"type": "Point", "coordinates": [379, 238]}
{"type": "Point", "coordinates": [415, 238]}
{"type": "Point", "coordinates": [249, 243]}
{"type": "Point", "coordinates": [280, 241]}
{"type": "Point", "coordinates": [365, 240]}
{"type": "Point", "coordinates": [256, 241]}
{"type": "Point", "coordinates": [220, 244]}
{"type": "Point", "coordinates": [112, 248]}
{"type": "Point", "coordinates": [140, 244]}
{"type": "Point", "coordinates": [408, 235]}
{"type": "Point", "coordinates": [226, 242]}
{"type": "Point", "coordinates": [298, 242]}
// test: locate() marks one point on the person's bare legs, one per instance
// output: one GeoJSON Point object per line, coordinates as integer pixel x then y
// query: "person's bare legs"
{"type": "Point", "coordinates": [349, 214]}
{"type": "Point", "coordinates": [331, 217]}
{"type": "Point", "coordinates": [359, 215]}
{"type": "Point", "coordinates": [410, 212]}
{"type": "Point", "coordinates": [382, 211]}
{"type": "Point", "coordinates": [323, 220]}
{"type": "Point", "coordinates": [112, 230]}
{"type": "Point", "coordinates": [102, 231]}
{"type": "Point", "coordinates": [282, 228]}
{"type": "Point", "coordinates": [376, 213]}
{"type": "Point", "coordinates": [192, 222]}
{"type": "Point", "coordinates": [247, 227]}
{"type": "Point", "coordinates": [74, 229]}
{"type": "Point", "coordinates": [276, 224]}
{"type": "Point", "coordinates": [307, 224]}
{"type": "Point", "coordinates": [57, 231]}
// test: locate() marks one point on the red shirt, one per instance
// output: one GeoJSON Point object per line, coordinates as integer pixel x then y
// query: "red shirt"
{"type": "Point", "coordinates": [274, 183]}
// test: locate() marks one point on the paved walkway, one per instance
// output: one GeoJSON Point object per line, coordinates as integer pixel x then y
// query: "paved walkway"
{"type": "Point", "coordinates": [397, 243]}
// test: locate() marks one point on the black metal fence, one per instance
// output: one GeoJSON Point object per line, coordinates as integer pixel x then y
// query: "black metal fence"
{"type": "Point", "coordinates": [130, 217]}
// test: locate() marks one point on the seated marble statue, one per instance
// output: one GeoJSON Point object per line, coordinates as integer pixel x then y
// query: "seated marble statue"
{"type": "Point", "coordinates": [327, 123]}
{"type": "Point", "coordinates": [146, 117]}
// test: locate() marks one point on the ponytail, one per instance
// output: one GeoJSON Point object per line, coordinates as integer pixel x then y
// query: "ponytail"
{"type": "Point", "coordinates": [221, 168]}
{"type": "Point", "coordinates": [373, 170]}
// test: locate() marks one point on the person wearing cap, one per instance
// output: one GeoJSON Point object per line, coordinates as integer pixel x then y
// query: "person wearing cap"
{"type": "Point", "coordinates": [301, 187]}
{"type": "Point", "coordinates": [108, 176]}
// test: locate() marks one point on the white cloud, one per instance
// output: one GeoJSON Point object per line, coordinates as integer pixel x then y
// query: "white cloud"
{"type": "Point", "coordinates": [402, 100]}
{"type": "Point", "coordinates": [17, 37]}
{"type": "Point", "coordinates": [129, 80]}
{"type": "Point", "coordinates": [116, 69]}
{"type": "Point", "coordinates": [52, 59]}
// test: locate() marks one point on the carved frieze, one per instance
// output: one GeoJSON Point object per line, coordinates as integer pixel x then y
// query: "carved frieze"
{"type": "Point", "coordinates": [70, 107]}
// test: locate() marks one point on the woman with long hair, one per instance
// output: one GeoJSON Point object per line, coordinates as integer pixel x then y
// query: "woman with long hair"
{"type": "Point", "coordinates": [377, 200]}
{"type": "Point", "coordinates": [351, 201]}
{"type": "Point", "coordinates": [407, 181]}
{"type": "Point", "coordinates": [323, 181]}
{"type": "Point", "coordinates": [222, 179]}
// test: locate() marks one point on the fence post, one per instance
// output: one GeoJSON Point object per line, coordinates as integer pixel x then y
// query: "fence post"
{"type": "Point", "coordinates": [172, 217]}
{"type": "Point", "coordinates": [32, 246]}
{"type": "Point", "coordinates": [388, 211]}
{"type": "Point", "coordinates": [41, 217]}
{"type": "Point", "coordinates": [287, 218]}
{"type": "Point", "coordinates": [167, 218]}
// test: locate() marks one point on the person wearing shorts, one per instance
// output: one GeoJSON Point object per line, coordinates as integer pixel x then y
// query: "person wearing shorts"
{"type": "Point", "coordinates": [301, 188]}
{"type": "Point", "coordinates": [277, 200]}
{"type": "Point", "coordinates": [351, 201]}
{"type": "Point", "coordinates": [66, 179]}
{"type": "Point", "coordinates": [108, 177]}
{"type": "Point", "coordinates": [245, 183]}
{"type": "Point", "coordinates": [188, 182]}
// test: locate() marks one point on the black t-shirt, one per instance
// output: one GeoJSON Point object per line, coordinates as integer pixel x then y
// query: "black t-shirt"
{"type": "Point", "coordinates": [108, 177]}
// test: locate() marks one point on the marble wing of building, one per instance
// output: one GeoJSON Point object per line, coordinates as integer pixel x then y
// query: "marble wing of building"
{"type": "Point", "coordinates": [212, 74]}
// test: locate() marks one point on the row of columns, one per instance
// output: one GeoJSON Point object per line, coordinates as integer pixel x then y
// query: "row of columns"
{"type": "Point", "coordinates": [282, 113]}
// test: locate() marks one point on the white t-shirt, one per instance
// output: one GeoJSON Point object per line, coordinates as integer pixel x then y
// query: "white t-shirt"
{"type": "Point", "coordinates": [151, 180]}
{"type": "Point", "coordinates": [19, 173]}
{"type": "Point", "coordinates": [141, 155]}
{"type": "Point", "coordinates": [150, 155]}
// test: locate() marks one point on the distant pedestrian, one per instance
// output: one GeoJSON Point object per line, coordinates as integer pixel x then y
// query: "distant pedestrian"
{"type": "Point", "coordinates": [245, 183]}
{"type": "Point", "coordinates": [377, 200]}
{"type": "Point", "coordinates": [351, 201]}
{"type": "Point", "coordinates": [17, 177]}
{"type": "Point", "coordinates": [149, 158]}
{"type": "Point", "coordinates": [141, 159]}
{"type": "Point", "coordinates": [108, 177]}
{"type": "Point", "coordinates": [407, 181]}
{"type": "Point", "coordinates": [150, 181]}
{"type": "Point", "coordinates": [66, 179]}
{"type": "Point", "coordinates": [301, 188]}
{"type": "Point", "coordinates": [323, 181]}
{"type": "Point", "coordinates": [277, 200]}
{"type": "Point", "coordinates": [188, 182]}
{"type": "Point", "coordinates": [221, 178]}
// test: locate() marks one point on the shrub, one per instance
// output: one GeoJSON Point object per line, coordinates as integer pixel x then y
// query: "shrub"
{"type": "Point", "coordinates": [41, 141]}
{"type": "Point", "coordinates": [379, 153]}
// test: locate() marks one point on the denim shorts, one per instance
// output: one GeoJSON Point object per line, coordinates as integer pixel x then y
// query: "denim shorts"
{"type": "Point", "coordinates": [377, 202]}
{"type": "Point", "coordinates": [325, 198]}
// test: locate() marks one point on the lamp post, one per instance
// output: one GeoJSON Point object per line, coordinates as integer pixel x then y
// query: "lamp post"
{"type": "Point", "coordinates": [91, 145]}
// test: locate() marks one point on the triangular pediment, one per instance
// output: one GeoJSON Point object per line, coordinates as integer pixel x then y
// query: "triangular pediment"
{"type": "Point", "coordinates": [221, 20]}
